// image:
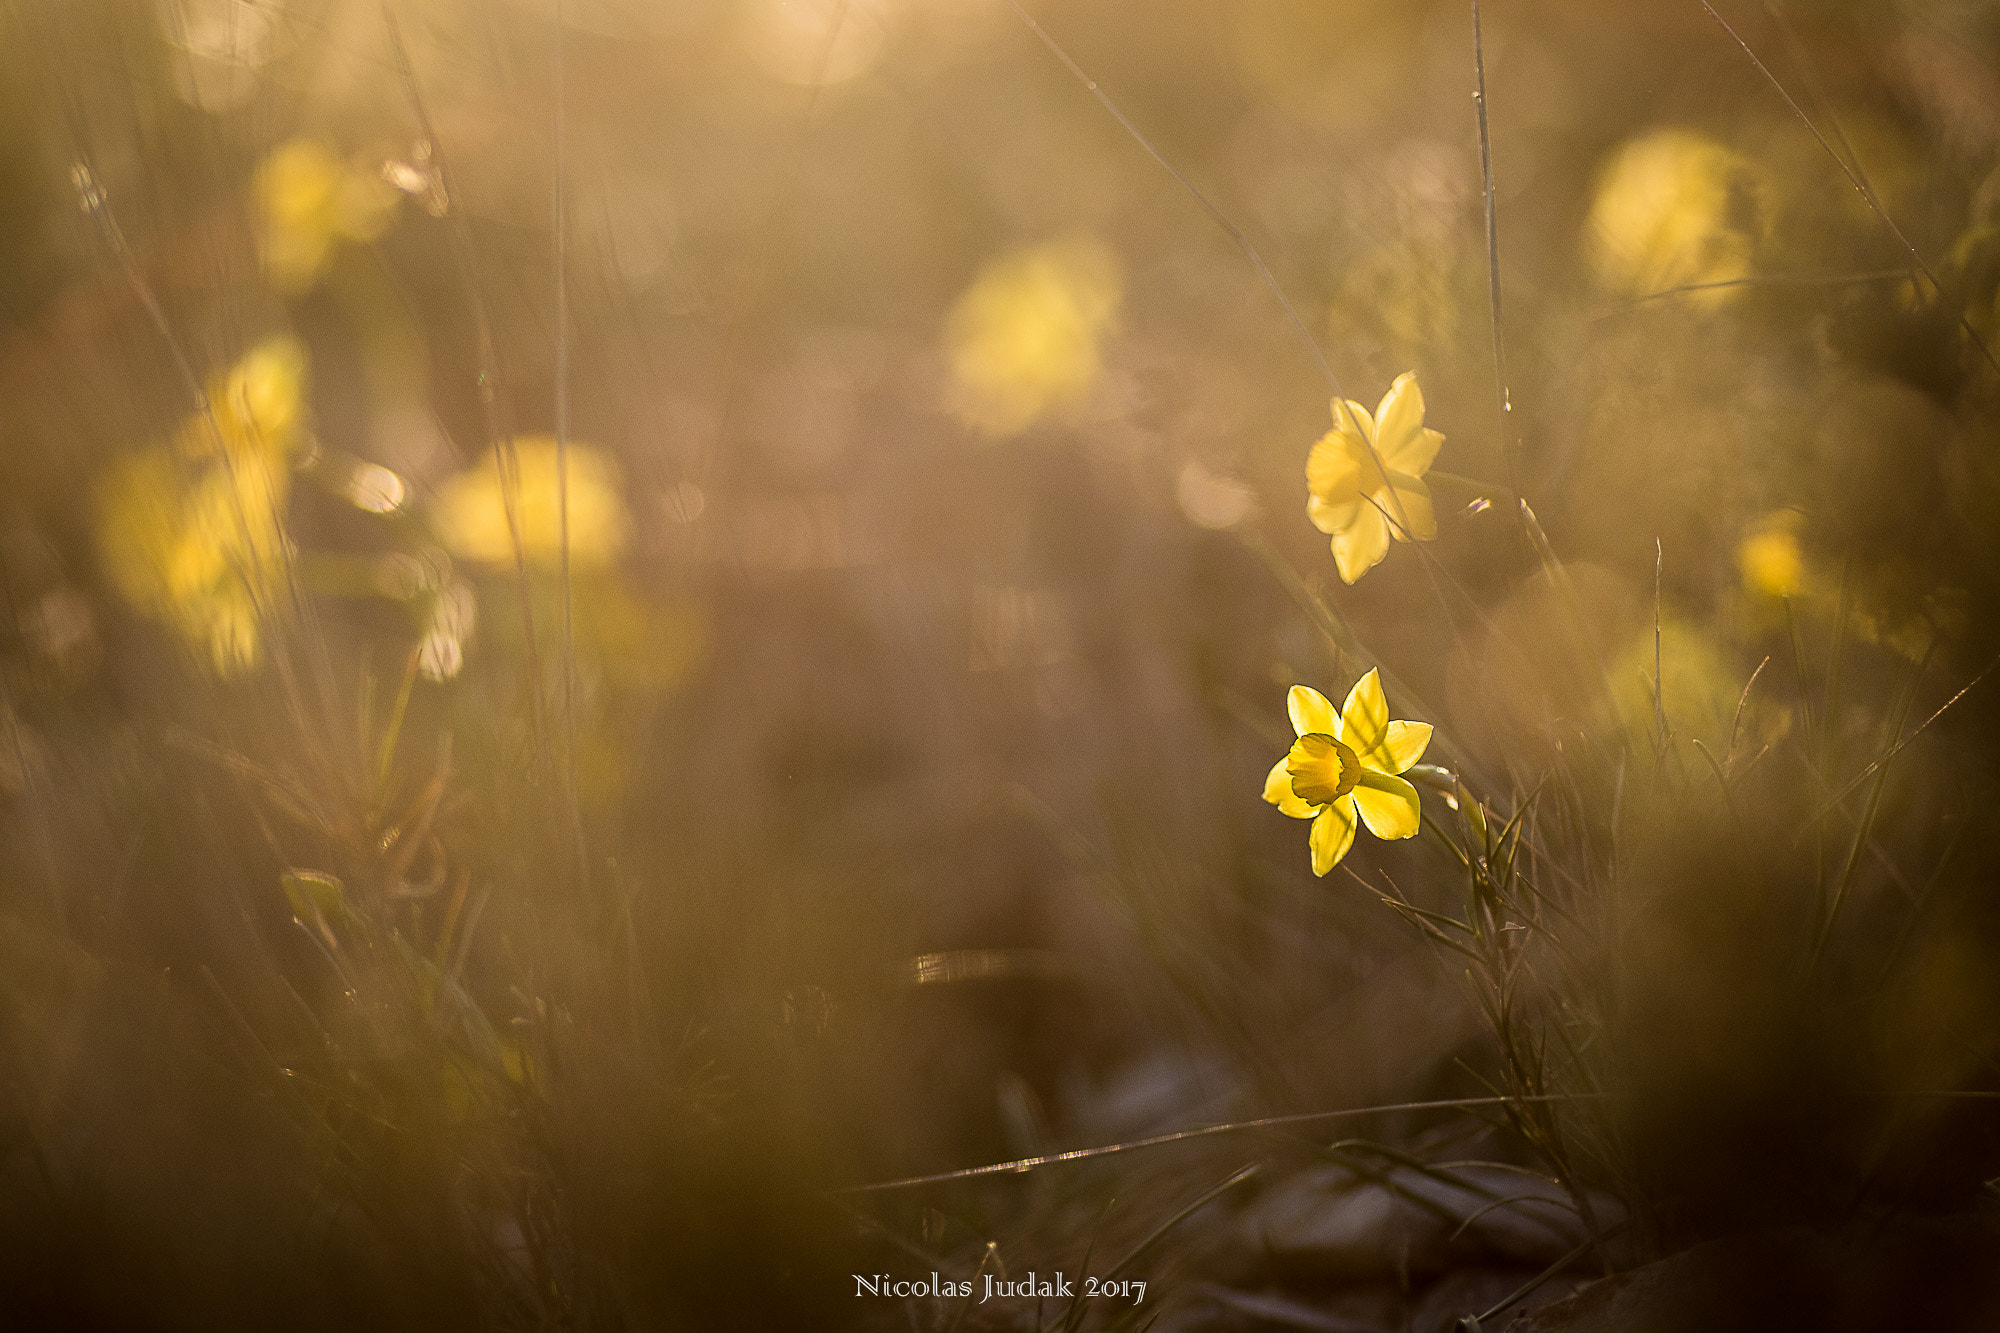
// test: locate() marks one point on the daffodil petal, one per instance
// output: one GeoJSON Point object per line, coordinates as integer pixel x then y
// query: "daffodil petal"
{"type": "Point", "coordinates": [1364, 720]}
{"type": "Point", "coordinates": [1331, 518]}
{"type": "Point", "coordinates": [1409, 509]}
{"type": "Point", "coordinates": [1360, 546]}
{"type": "Point", "coordinates": [1400, 416]}
{"type": "Point", "coordinates": [1354, 417]}
{"type": "Point", "coordinates": [1332, 834]}
{"type": "Point", "coordinates": [1404, 746]}
{"type": "Point", "coordinates": [1312, 712]}
{"type": "Point", "coordinates": [1415, 454]}
{"type": "Point", "coordinates": [1388, 805]}
{"type": "Point", "coordinates": [1278, 791]}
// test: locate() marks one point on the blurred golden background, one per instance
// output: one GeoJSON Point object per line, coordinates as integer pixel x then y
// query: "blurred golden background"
{"type": "Point", "coordinates": [623, 615]}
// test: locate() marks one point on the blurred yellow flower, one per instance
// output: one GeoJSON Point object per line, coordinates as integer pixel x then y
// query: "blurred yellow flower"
{"type": "Point", "coordinates": [309, 200]}
{"type": "Point", "coordinates": [1364, 477]}
{"type": "Point", "coordinates": [1024, 339]}
{"type": "Point", "coordinates": [1697, 688]}
{"type": "Point", "coordinates": [472, 507]}
{"type": "Point", "coordinates": [1676, 209]}
{"type": "Point", "coordinates": [1346, 766]}
{"type": "Point", "coordinates": [257, 407]}
{"type": "Point", "coordinates": [1769, 556]}
{"type": "Point", "coordinates": [192, 531]}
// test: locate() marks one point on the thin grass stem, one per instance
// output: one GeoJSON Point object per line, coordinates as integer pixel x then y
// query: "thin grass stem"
{"type": "Point", "coordinates": [559, 227]}
{"type": "Point", "coordinates": [499, 428]}
{"type": "Point", "coordinates": [1026, 1164]}
{"type": "Point", "coordinates": [1503, 399]}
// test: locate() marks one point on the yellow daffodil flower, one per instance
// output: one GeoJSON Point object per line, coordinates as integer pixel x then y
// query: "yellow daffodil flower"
{"type": "Point", "coordinates": [196, 546]}
{"type": "Point", "coordinates": [192, 530]}
{"type": "Point", "coordinates": [1769, 557]}
{"type": "Point", "coordinates": [256, 407]}
{"type": "Point", "coordinates": [472, 507]}
{"type": "Point", "coordinates": [1364, 477]}
{"type": "Point", "coordinates": [1024, 339]}
{"type": "Point", "coordinates": [1676, 209]}
{"type": "Point", "coordinates": [1346, 767]}
{"type": "Point", "coordinates": [309, 201]}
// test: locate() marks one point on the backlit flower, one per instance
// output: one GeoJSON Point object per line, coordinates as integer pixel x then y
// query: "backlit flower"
{"type": "Point", "coordinates": [1347, 767]}
{"type": "Point", "coordinates": [1361, 495]}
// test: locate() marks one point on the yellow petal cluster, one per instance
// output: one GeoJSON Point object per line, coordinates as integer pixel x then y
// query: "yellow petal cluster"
{"type": "Point", "coordinates": [1025, 338]}
{"type": "Point", "coordinates": [192, 530]}
{"type": "Point", "coordinates": [308, 202]}
{"type": "Point", "coordinates": [472, 509]}
{"type": "Point", "coordinates": [1364, 479]}
{"type": "Point", "coordinates": [1676, 209]}
{"type": "Point", "coordinates": [1346, 768]}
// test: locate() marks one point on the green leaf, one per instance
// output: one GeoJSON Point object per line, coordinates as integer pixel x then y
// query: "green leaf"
{"type": "Point", "coordinates": [314, 893]}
